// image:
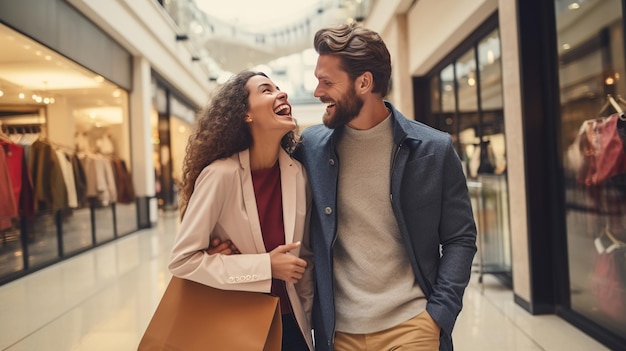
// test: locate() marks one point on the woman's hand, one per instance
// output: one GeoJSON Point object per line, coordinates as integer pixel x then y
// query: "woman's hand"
{"type": "Point", "coordinates": [225, 247]}
{"type": "Point", "coordinates": [286, 266]}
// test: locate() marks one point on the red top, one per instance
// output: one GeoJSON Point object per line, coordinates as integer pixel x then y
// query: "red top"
{"type": "Point", "coordinates": [14, 158]}
{"type": "Point", "coordinates": [269, 203]}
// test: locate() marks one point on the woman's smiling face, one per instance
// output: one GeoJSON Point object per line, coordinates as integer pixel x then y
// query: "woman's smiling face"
{"type": "Point", "coordinates": [269, 110]}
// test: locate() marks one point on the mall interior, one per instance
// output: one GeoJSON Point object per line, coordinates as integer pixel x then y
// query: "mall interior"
{"type": "Point", "coordinates": [98, 98]}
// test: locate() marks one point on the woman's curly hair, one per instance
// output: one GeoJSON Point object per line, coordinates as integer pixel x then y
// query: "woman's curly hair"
{"type": "Point", "coordinates": [220, 132]}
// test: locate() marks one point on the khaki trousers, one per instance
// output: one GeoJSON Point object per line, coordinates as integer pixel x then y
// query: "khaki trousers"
{"type": "Point", "coordinates": [419, 333]}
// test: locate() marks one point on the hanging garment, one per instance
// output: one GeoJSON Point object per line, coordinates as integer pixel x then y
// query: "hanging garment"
{"type": "Point", "coordinates": [80, 180]}
{"type": "Point", "coordinates": [20, 178]}
{"type": "Point", "coordinates": [101, 187]}
{"type": "Point", "coordinates": [602, 149]}
{"type": "Point", "coordinates": [49, 185]}
{"type": "Point", "coordinates": [8, 206]}
{"type": "Point", "coordinates": [124, 182]}
{"type": "Point", "coordinates": [68, 177]}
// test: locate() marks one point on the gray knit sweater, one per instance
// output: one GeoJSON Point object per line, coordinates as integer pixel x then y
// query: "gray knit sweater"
{"type": "Point", "coordinates": [375, 287]}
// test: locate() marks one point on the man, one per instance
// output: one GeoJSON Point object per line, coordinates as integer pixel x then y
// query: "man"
{"type": "Point", "coordinates": [392, 229]}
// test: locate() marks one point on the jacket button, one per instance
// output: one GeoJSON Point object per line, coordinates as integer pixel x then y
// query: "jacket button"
{"type": "Point", "coordinates": [328, 210]}
{"type": "Point", "coordinates": [332, 162]}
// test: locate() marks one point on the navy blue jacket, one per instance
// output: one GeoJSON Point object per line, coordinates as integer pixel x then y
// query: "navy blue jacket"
{"type": "Point", "coordinates": [432, 207]}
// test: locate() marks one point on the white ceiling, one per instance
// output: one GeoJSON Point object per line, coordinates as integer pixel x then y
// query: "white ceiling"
{"type": "Point", "coordinates": [258, 15]}
{"type": "Point", "coordinates": [286, 26]}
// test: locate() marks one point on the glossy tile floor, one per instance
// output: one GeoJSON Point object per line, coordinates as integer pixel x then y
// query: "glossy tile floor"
{"type": "Point", "coordinates": [102, 300]}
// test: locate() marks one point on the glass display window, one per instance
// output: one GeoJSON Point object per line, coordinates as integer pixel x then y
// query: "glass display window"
{"type": "Point", "coordinates": [71, 126]}
{"type": "Point", "coordinates": [466, 101]}
{"type": "Point", "coordinates": [591, 73]}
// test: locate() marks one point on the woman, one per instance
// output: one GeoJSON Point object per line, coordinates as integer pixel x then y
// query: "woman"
{"type": "Point", "coordinates": [240, 185]}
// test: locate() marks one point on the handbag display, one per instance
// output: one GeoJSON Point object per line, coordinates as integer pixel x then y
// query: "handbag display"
{"type": "Point", "coordinates": [192, 316]}
{"type": "Point", "coordinates": [602, 148]}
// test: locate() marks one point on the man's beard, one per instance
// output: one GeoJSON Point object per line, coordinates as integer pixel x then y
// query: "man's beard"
{"type": "Point", "coordinates": [345, 110]}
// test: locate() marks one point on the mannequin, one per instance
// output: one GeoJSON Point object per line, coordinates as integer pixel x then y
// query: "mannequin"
{"type": "Point", "coordinates": [105, 145]}
{"type": "Point", "coordinates": [82, 142]}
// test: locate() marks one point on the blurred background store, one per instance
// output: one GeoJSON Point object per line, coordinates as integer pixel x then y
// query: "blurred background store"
{"type": "Point", "coordinates": [100, 96]}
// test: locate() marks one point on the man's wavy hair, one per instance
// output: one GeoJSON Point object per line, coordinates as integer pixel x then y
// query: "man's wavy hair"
{"type": "Point", "coordinates": [220, 132]}
{"type": "Point", "coordinates": [360, 50]}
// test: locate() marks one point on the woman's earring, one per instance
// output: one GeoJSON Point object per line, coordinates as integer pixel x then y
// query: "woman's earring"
{"type": "Point", "coordinates": [249, 119]}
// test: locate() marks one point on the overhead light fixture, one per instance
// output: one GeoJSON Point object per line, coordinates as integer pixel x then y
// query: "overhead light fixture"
{"type": "Point", "coordinates": [574, 6]}
{"type": "Point", "coordinates": [44, 97]}
{"type": "Point", "coordinates": [182, 37]}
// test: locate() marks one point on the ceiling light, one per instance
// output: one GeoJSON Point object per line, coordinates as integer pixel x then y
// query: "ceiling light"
{"type": "Point", "coordinates": [574, 6]}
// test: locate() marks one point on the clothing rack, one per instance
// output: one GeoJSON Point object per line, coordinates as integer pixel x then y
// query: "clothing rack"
{"type": "Point", "coordinates": [61, 146]}
{"type": "Point", "coordinates": [3, 135]}
{"type": "Point", "coordinates": [611, 101]}
{"type": "Point", "coordinates": [22, 128]}
{"type": "Point", "coordinates": [623, 102]}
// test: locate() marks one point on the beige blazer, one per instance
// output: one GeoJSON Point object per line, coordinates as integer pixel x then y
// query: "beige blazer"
{"type": "Point", "coordinates": [223, 205]}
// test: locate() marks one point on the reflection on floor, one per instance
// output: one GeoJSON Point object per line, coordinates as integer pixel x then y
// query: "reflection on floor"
{"type": "Point", "coordinates": [103, 300]}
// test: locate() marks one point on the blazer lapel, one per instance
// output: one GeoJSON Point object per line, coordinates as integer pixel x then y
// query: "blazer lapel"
{"type": "Point", "coordinates": [288, 183]}
{"type": "Point", "coordinates": [250, 201]}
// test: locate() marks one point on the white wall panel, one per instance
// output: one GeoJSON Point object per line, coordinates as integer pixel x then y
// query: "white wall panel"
{"type": "Point", "coordinates": [144, 29]}
{"type": "Point", "coordinates": [438, 26]}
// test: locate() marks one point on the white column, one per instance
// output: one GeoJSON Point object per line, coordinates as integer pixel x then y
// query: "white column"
{"type": "Point", "coordinates": [514, 135]}
{"type": "Point", "coordinates": [141, 133]}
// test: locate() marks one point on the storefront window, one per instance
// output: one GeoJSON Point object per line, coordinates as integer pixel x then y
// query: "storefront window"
{"type": "Point", "coordinates": [491, 101]}
{"type": "Point", "coordinates": [591, 79]}
{"type": "Point", "coordinates": [443, 100]}
{"type": "Point", "coordinates": [172, 124]}
{"type": "Point", "coordinates": [466, 101]}
{"type": "Point", "coordinates": [71, 127]}
{"type": "Point", "coordinates": [180, 130]}
{"type": "Point", "coordinates": [469, 125]}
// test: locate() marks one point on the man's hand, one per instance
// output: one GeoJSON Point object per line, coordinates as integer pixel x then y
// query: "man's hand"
{"type": "Point", "coordinates": [222, 247]}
